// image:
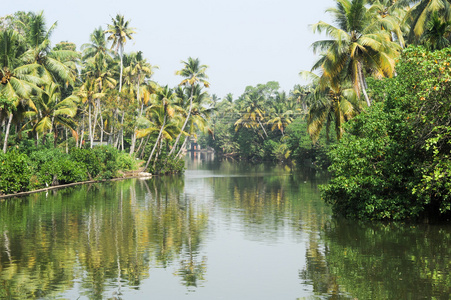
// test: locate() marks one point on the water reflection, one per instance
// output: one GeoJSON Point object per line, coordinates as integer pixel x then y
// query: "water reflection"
{"type": "Point", "coordinates": [102, 236]}
{"type": "Point", "coordinates": [224, 229]}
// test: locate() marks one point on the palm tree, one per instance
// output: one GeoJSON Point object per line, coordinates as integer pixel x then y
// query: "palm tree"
{"type": "Point", "coordinates": [50, 111]}
{"type": "Point", "coordinates": [280, 115]}
{"type": "Point", "coordinates": [139, 71]}
{"type": "Point", "coordinates": [254, 114]}
{"type": "Point", "coordinates": [358, 44]}
{"type": "Point", "coordinates": [194, 74]}
{"type": "Point", "coordinates": [200, 113]}
{"type": "Point", "coordinates": [420, 14]}
{"type": "Point", "coordinates": [161, 113]}
{"type": "Point", "coordinates": [333, 104]}
{"type": "Point", "coordinates": [390, 15]}
{"type": "Point", "coordinates": [56, 65]}
{"type": "Point", "coordinates": [119, 32]}
{"type": "Point", "coordinates": [89, 93]}
{"type": "Point", "coordinates": [16, 75]}
{"type": "Point", "coordinates": [97, 49]}
{"type": "Point", "coordinates": [438, 33]}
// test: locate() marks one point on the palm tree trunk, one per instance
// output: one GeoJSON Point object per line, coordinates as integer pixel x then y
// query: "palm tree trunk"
{"type": "Point", "coordinates": [182, 147]}
{"type": "Point", "coordinates": [121, 50]}
{"type": "Point", "coordinates": [133, 142]}
{"type": "Point", "coordinates": [184, 124]}
{"type": "Point", "coordinates": [91, 137]}
{"type": "Point", "coordinates": [82, 132]}
{"type": "Point", "coordinates": [8, 126]}
{"type": "Point", "coordinates": [363, 83]}
{"type": "Point", "coordinates": [144, 147]}
{"type": "Point", "coordinates": [156, 143]}
{"type": "Point", "coordinates": [261, 125]}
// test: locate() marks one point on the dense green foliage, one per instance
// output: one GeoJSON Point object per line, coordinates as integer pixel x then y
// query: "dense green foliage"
{"type": "Point", "coordinates": [265, 124]}
{"type": "Point", "coordinates": [45, 167]}
{"type": "Point", "coordinates": [15, 172]}
{"type": "Point", "coordinates": [393, 161]}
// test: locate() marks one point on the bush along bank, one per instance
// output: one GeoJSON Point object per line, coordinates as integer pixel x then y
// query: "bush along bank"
{"type": "Point", "coordinates": [394, 162]}
{"type": "Point", "coordinates": [21, 171]}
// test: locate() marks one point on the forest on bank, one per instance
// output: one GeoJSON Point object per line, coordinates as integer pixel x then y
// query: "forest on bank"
{"type": "Point", "coordinates": [376, 108]}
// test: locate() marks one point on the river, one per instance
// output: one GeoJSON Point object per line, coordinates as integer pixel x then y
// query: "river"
{"type": "Point", "coordinates": [223, 230]}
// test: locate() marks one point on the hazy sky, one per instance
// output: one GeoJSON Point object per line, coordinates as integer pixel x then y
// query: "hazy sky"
{"type": "Point", "coordinates": [243, 42]}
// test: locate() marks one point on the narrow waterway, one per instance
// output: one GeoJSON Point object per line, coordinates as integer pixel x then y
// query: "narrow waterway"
{"type": "Point", "coordinates": [223, 230]}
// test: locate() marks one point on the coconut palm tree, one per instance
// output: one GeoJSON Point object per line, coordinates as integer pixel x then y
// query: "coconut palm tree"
{"type": "Point", "coordinates": [280, 115]}
{"type": "Point", "coordinates": [254, 115]}
{"type": "Point", "coordinates": [50, 111]}
{"type": "Point", "coordinates": [161, 114]}
{"type": "Point", "coordinates": [194, 74]}
{"type": "Point", "coordinates": [357, 44]}
{"type": "Point", "coordinates": [137, 72]}
{"type": "Point", "coordinates": [390, 15]}
{"type": "Point", "coordinates": [88, 94]}
{"type": "Point", "coordinates": [56, 65]}
{"type": "Point", "coordinates": [438, 33]}
{"type": "Point", "coordinates": [330, 105]}
{"type": "Point", "coordinates": [200, 113]}
{"type": "Point", "coordinates": [97, 49]}
{"type": "Point", "coordinates": [118, 33]}
{"type": "Point", "coordinates": [17, 77]}
{"type": "Point", "coordinates": [421, 13]}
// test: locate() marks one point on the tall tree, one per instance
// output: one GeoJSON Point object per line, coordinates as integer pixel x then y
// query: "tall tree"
{"type": "Point", "coordinates": [421, 13]}
{"type": "Point", "coordinates": [50, 111]}
{"type": "Point", "coordinates": [161, 113]}
{"type": "Point", "coordinates": [17, 77]}
{"type": "Point", "coordinates": [139, 71]}
{"type": "Point", "coordinates": [56, 65]}
{"type": "Point", "coordinates": [194, 74]}
{"type": "Point", "coordinates": [118, 33]}
{"type": "Point", "coordinates": [356, 45]}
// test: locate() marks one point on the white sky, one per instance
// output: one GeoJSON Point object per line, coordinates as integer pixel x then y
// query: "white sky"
{"type": "Point", "coordinates": [243, 42]}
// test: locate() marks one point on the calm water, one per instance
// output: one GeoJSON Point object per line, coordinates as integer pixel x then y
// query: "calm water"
{"type": "Point", "coordinates": [224, 230]}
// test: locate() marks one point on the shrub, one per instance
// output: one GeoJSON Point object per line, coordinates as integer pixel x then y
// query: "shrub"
{"type": "Point", "coordinates": [15, 172]}
{"type": "Point", "coordinates": [393, 162]}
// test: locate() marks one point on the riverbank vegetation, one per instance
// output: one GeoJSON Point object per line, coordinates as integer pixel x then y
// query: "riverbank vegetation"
{"type": "Point", "coordinates": [375, 109]}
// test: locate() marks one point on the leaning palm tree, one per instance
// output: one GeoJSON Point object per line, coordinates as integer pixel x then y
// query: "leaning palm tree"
{"type": "Point", "coordinates": [160, 114]}
{"type": "Point", "coordinates": [356, 45]}
{"type": "Point", "coordinates": [194, 75]}
{"type": "Point", "coordinates": [119, 32]}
